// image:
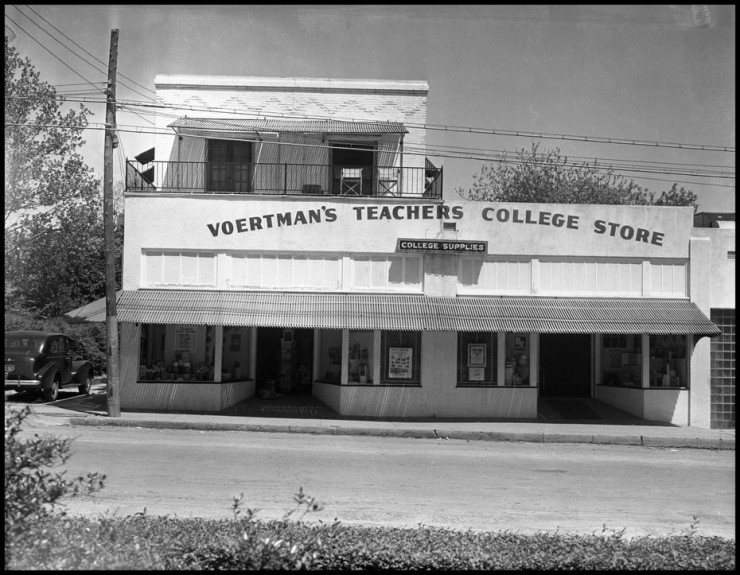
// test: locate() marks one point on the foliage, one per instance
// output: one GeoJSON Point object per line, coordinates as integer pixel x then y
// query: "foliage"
{"type": "Point", "coordinates": [167, 543]}
{"type": "Point", "coordinates": [31, 492]}
{"type": "Point", "coordinates": [549, 177]}
{"type": "Point", "coordinates": [89, 338]}
{"type": "Point", "coordinates": [54, 240]}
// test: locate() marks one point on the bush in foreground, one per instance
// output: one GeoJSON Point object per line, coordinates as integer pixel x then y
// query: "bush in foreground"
{"type": "Point", "coordinates": [166, 543]}
{"type": "Point", "coordinates": [32, 492]}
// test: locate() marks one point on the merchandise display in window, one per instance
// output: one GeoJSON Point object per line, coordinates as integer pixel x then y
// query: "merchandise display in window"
{"type": "Point", "coordinates": [516, 371]}
{"type": "Point", "coordinates": [176, 353]}
{"type": "Point", "coordinates": [621, 360]}
{"type": "Point", "coordinates": [360, 356]}
{"type": "Point", "coordinates": [668, 363]}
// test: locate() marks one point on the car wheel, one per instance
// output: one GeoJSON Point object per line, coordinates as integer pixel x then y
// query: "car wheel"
{"type": "Point", "coordinates": [52, 393]}
{"type": "Point", "coordinates": [86, 385]}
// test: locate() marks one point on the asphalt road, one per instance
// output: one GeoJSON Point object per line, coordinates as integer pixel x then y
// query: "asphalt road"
{"type": "Point", "coordinates": [524, 487]}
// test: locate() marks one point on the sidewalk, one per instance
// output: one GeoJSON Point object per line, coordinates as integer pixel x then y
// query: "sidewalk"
{"type": "Point", "coordinates": [613, 426]}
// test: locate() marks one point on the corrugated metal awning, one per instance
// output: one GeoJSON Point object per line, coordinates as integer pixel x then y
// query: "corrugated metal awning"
{"type": "Point", "coordinates": [94, 312]}
{"type": "Point", "coordinates": [278, 126]}
{"type": "Point", "coordinates": [415, 312]}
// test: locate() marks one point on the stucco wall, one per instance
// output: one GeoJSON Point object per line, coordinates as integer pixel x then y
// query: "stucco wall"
{"type": "Point", "coordinates": [722, 279]}
{"type": "Point", "coordinates": [347, 225]}
{"type": "Point", "coordinates": [293, 98]}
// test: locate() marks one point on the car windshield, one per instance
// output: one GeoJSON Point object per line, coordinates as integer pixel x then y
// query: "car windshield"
{"type": "Point", "coordinates": [32, 344]}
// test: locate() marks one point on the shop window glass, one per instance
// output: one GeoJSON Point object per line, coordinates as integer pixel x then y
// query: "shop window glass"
{"type": "Point", "coordinates": [361, 352]}
{"type": "Point", "coordinates": [330, 355]}
{"type": "Point", "coordinates": [621, 360]}
{"type": "Point", "coordinates": [381, 272]}
{"type": "Point", "coordinates": [176, 353]}
{"type": "Point", "coordinates": [518, 349]}
{"type": "Point", "coordinates": [668, 362]}
{"type": "Point", "coordinates": [175, 268]}
{"type": "Point", "coordinates": [476, 358]}
{"type": "Point", "coordinates": [235, 353]}
{"type": "Point", "coordinates": [401, 357]}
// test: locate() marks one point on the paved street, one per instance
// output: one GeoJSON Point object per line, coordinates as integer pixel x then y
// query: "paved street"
{"type": "Point", "coordinates": [460, 484]}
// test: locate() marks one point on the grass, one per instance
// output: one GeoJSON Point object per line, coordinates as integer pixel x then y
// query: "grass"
{"type": "Point", "coordinates": [166, 543]}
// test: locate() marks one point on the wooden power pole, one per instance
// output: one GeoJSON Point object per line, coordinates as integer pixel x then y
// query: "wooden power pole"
{"type": "Point", "coordinates": [111, 321]}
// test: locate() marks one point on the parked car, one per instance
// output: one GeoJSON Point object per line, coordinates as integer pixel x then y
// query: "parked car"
{"type": "Point", "coordinates": [44, 362]}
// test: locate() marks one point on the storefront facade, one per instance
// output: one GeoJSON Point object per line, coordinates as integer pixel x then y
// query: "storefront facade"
{"type": "Point", "coordinates": [382, 298]}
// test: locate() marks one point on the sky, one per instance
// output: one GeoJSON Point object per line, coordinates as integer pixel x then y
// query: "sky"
{"type": "Point", "coordinates": [661, 75]}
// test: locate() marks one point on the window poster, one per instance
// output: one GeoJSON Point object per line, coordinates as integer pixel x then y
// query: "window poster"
{"type": "Point", "coordinates": [476, 354]}
{"type": "Point", "coordinates": [399, 362]}
{"type": "Point", "coordinates": [477, 374]}
{"type": "Point", "coordinates": [185, 338]}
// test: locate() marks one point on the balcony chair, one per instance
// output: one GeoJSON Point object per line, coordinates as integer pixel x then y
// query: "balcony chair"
{"type": "Point", "coordinates": [351, 182]}
{"type": "Point", "coordinates": [388, 181]}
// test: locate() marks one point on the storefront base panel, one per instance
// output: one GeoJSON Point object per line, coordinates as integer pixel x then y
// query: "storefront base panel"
{"type": "Point", "coordinates": [402, 402]}
{"type": "Point", "coordinates": [664, 405]}
{"type": "Point", "coordinates": [209, 397]}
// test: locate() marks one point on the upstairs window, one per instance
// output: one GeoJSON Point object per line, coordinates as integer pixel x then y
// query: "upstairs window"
{"type": "Point", "coordinates": [228, 167]}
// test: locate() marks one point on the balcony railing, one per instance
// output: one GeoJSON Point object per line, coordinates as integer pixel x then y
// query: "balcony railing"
{"type": "Point", "coordinates": [284, 179]}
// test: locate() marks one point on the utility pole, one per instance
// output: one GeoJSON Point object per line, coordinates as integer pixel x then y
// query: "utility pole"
{"type": "Point", "coordinates": [111, 320]}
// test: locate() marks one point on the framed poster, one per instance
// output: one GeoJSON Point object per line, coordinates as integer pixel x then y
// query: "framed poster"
{"type": "Point", "coordinates": [477, 374]}
{"type": "Point", "coordinates": [520, 342]}
{"type": "Point", "coordinates": [185, 338]}
{"type": "Point", "coordinates": [399, 362]}
{"type": "Point", "coordinates": [476, 354]}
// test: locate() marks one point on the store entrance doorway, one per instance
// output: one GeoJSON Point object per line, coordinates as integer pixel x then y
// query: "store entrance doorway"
{"type": "Point", "coordinates": [284, 360]}
{"type": "Point", "coordinates": [565, 365]}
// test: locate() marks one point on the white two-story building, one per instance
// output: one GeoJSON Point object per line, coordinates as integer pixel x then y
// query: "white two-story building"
{"type": "Point", "coordinates": [291, 233]}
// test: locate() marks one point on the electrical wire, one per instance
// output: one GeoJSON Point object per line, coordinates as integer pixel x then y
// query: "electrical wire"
{"type": "Point", "coordinates": [133, 129]}
{"type": "Point", "coordinates": [89, 54]}
{"type": "Point", "coordinates": [50, 52]}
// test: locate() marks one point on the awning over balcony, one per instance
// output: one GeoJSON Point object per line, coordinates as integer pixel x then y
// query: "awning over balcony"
{"type": "Point", "coordinates": [415, 312]}
{"type": "Point", "coordinates": [198, 125]}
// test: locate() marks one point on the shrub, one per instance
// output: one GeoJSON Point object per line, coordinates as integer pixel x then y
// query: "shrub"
{"type": "Point", "coordinates": [32, 492]}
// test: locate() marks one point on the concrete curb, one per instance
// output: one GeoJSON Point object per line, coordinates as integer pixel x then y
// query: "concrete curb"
{"type": "Point", "coordinates": [419, 433]}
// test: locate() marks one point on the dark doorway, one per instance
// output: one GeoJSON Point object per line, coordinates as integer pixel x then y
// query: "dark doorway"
{"type": "Point", "coordinates": [565, 365]}
{"type": "Point", "coordinates": [358, 160]}
{"type": "Point", "coordinates": [285, 359]}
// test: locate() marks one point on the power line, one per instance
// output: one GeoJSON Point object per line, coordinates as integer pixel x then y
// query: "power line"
{"type": "Point", "coordinates": [131, 129]}
{"type": "Point", "coordinates": [50, 52]}
{"type": "Point", "coordinates": [489, 131]}
{"type": "Point", "coordinates": [91, 55]}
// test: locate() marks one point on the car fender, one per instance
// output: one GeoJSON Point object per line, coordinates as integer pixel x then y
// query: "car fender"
{"type": "Point", "coordinates": [80, 369]}
{"type": "Point", "coordinates": [46, 374]}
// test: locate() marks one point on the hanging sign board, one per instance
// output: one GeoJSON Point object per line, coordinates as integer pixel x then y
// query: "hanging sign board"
{"type": "Point", "coordinates": [445, 246]}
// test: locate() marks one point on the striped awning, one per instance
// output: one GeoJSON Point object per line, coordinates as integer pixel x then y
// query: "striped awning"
{"type": "Point", "coordinates": [282, 126]}
{"type": "Point", "coordinates": [415, 312]}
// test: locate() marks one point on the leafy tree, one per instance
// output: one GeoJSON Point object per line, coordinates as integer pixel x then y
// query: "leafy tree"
{"type": "Point", "coordinates": [54, 240]}
{"type": "Point", "coordinates": [548, 177]}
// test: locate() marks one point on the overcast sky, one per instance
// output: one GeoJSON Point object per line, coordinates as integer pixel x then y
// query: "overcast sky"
{"type": "Point", "coordinates": [642, 73]}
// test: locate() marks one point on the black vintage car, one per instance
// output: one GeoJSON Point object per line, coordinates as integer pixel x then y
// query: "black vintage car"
{"type": "Point", "coordinates": [44, 361]}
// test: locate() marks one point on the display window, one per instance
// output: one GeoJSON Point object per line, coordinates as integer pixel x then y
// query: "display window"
{"type": "Point", "coordinates": [361, 354]}
{"type": "Point", "coordinates": [176, 353]}
{"type": "Point", "coordinates": [401, 357]}
{"type": "Point", "coordinates": [235, 353]}
{"type": "Point", "coordinates": [330, 356]}
{"type": "Point", "coordinates": [621, 360]}
{"type": "Point", "coordinates": [518, 350]}
{"type": "Point", "coordinates": [476, 358]}
{"type": "Point", "coordinates": [668, 361]}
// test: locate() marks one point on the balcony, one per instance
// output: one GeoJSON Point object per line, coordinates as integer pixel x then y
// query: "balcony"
{"type": "Point", "coordinates": [284, 179]}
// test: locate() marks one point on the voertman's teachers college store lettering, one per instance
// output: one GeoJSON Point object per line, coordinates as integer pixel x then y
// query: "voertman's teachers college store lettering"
{"type": "Point", "coordinates": [435, 212]}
